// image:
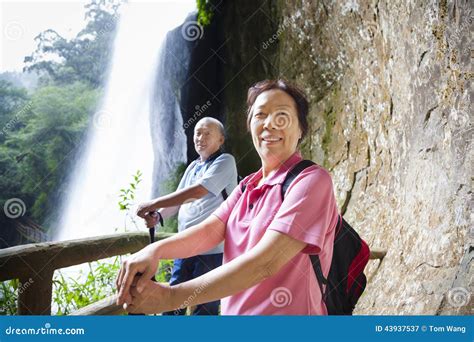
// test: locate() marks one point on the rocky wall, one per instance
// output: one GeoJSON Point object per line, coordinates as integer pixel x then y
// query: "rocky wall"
{"type": "Point", "coordinates": [390, 88]}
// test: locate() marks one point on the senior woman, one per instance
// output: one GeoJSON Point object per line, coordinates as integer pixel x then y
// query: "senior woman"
{"type": "Point", "coordinates": [266, 268]}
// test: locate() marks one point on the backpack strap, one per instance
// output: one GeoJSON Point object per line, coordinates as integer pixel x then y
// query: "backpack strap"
{"type": "Point", "coordinates": [319, 274]}
{"type": "Point", "coordinates": [293, 173]}
{"type": "Point", "coordinates": [290, 176]}
{"type": "Point", "coordinates": [315, 261]}
{"type": "Point", "coordinates": [210, 160]}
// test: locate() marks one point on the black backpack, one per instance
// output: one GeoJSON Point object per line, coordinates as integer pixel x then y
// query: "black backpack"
{"type": "Point", "coordinates": [346, 279]}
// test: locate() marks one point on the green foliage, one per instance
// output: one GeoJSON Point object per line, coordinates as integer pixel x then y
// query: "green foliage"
{"type": "Point", "coordinates": [205, 12]}
{"type": "Point", "coordinates": [70, 294]}
{"type": "Point", "coordinates": [84, 58]}
{"type": "Point", "coordinates": [73, 293]}
{"type": "Point", "coordinates": [128, 195]}
{"type": "Point", "coordinates": [8, 297]}
{"type": "Point", "coordinates": [38, 150]}
{"type": "Point", "coordinates": [163, 275]}
{"type": "Point", "coordinates": [127, 200]}
{"type": "Point", "coordinates": [40, 133]}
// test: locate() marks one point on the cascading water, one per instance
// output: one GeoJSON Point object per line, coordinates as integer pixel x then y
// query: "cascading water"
{"type": "Point", "coordinates": [119, 141]}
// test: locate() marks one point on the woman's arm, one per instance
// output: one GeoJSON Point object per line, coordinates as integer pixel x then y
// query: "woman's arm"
{"type": "Point", "coordinates": [261, 262]}
{"type": "Point", "coordinates": [192, 241]}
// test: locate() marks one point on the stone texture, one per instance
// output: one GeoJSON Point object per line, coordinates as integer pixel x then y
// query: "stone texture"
{"type": "Point", "coordinates": [390, 89]}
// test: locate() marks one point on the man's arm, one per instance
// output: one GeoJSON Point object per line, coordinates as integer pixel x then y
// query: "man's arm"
{"type": "Point", "coordinates": [176, 198]}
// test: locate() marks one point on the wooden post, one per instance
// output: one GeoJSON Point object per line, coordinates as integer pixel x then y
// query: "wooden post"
{"type": "Point", "coordinates": [35, 294]}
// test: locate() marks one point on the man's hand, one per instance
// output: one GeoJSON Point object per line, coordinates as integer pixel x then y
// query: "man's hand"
{"type": "Point", "coordinates": [144, 208]}
{"type": "Point", "coordinates": [151, 219]}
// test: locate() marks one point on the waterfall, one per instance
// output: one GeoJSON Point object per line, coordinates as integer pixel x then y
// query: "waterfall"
{"type": "Point", "coordinates": [119, 139]}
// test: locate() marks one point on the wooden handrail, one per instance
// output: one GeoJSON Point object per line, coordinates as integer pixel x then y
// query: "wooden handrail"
{"type": "Point", "coordinates": [34, 264]}
{"type": "Point", "coordinates": [106, 306]}
{"type": "Point", "coordinates": [377, 254]}
{"type": "Point", "coordinates": [25, 260]}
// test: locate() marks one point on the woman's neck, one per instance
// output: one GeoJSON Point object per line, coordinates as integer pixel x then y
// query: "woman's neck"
{"type": "Point", "coordinates": [271, 165]}
{"type": "Point", "coordinates": [269, 168]}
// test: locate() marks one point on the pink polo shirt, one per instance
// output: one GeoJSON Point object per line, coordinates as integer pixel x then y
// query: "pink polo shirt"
{"type": "Point", "coordinates": [308, 213]}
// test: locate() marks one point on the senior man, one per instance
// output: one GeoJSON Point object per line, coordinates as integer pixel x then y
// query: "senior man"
{"type": "Point", "coordinates": [205, 185]}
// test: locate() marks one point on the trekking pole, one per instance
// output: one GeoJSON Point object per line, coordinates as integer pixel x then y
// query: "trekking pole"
{"type": "Point", "coordinates": [151, 231]}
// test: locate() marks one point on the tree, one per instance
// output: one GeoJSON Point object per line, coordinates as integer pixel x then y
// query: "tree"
{"type": "Point", "coordinates": [84, 58]}
{"type": "Point", "coordinates": [12, 101]}
{"type": "Point", "coordinates": [38, 157]}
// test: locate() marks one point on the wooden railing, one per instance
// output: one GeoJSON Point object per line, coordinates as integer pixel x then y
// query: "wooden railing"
{"type": "Point", "coordinates": [34, 264]}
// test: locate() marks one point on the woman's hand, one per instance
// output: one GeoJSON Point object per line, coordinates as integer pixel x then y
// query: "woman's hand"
{"type": "Point", "coordinates": [144, 264]}
{"type": "Point", "coordinates": [144, 208]}
{"type": "Point", "coordinates": [153, 297]}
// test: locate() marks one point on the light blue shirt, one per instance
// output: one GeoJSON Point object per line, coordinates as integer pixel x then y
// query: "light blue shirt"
{"type": "Point", "coordinates": [219, 174]}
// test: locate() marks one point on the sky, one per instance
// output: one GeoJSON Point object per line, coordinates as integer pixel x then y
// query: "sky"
{"type": "Point", "coordinates": [21, 21]}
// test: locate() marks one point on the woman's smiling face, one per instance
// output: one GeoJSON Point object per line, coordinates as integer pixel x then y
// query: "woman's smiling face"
{"type": "Point", "coordinates": [274, 125]}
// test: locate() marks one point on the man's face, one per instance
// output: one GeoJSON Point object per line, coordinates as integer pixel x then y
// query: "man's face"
{"type": "Point", "coordinates": [207, 139]}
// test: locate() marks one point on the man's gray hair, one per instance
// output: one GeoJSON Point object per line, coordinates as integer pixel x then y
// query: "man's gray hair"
{"type": "Point", "coordinates": [216, 122]}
